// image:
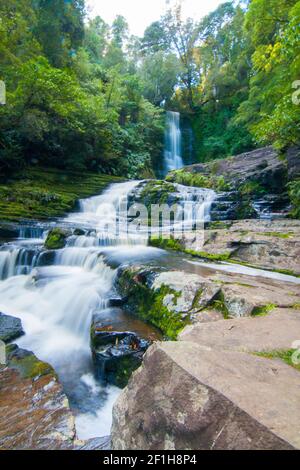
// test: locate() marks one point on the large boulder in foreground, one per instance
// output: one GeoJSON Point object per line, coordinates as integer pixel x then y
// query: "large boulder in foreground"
{"type": "Point", "coordinates": [34, 411]}
{"type": "Point", "coordinates": [190, 397]}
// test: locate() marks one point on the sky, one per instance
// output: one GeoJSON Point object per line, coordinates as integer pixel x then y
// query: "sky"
{"type": "Point", "coordinates": [141, 13]}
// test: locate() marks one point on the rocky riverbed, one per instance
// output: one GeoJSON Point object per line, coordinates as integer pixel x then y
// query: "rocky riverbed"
{"type": "Point", "coordinates": [203, 340]}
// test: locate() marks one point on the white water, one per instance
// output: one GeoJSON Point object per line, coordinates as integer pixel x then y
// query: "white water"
{"type": "Point", "coordinates": [172, 154]}
{"type": "Point", "coordinates": [56, 302]}
{"type": "Point", "coordinates": [56, 293]}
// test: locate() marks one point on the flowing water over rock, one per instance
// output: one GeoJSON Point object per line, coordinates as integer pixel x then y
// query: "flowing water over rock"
{"type": "Point", "coordinates": [56, 293]}
{"type": "Point", "coordinates": [172, 155]}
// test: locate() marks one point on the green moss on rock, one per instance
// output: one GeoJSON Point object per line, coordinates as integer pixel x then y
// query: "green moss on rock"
{"type": "Point", "coordinates": [42, 193]}
{"type": "Point", "coordinates": [291, 356]}
{"type": "Point", "coordinates": [148, 304]}
{"type": "Point", "coordinates": [56, 239]}
{"type": "Point", "coordinates": [27, 364]}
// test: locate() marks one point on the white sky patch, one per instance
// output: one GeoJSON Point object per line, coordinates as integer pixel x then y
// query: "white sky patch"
{"type": "Point", "coordinates": [141, 13]}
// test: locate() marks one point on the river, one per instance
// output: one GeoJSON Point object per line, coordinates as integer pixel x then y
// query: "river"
{"type": "Point", "coordinates": [56, 293]}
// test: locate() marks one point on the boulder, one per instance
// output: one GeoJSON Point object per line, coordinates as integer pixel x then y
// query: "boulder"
{"type": "Point", "coordinates": [268, 244]}
{"type": "Point", "coordinates": [56, 239]}
{"type": "Point", "coordinates": [117, 355]}
{"type": "Point", "coordinates": [34, 411]}
{"type": "Point", "coordinates": [274, 332]}
{"type": "Point", "coordinates": [10, 328]}
{"type": "Point", "coordinates": [219, 400]}
{"type": "Point", "coordinates": [167, 299]}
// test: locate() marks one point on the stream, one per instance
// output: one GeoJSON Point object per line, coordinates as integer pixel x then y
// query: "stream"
{"type": "Point", "coordinates": [56, 293]}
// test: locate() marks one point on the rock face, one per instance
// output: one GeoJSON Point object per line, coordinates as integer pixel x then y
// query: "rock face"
{"type": "Point", "coordinates": [34, 411]}
{"type": "Point", "coordinates": [263, 243]}
{"type": "Point", "coordinates": [216, 401]}
{"type": "Point", "coordinates": [276, 331]}
{"type": "Point", "coordinates": [248, 185]}
{"type": "Point", "coordinates": [10, 328]}
{"type": "Point", "coordinates": [262, 165]}
{"type": "Point", "coordinates": [169, 300]}
{"type": "Point", "coordinates": [222, 385]}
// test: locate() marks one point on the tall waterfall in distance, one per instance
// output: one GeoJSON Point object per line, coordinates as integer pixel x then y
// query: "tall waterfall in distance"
{"type": "Point", "coordinates": [172, 155]}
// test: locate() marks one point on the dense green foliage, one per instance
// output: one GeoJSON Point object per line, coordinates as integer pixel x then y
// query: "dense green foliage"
{"type": "Point", "coordinates": [73, 101]}
{"type": "Point", "coordinates": [85, 95]}
{"type": "Point", "coordinates": [39, 193]}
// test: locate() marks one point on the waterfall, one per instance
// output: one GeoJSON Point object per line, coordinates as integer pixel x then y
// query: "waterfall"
{"type": "Point", "coordinates": [172, 154]}
{"type": "Point", "coordinates": [56, 293]}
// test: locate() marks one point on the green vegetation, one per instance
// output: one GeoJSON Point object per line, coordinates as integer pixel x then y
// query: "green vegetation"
{"type": "Point", "coordinates": [278, 235]}
{"type": "Point", "coordinates": [148, 305]}
{"type": "Point", "coordinates": [27, 364]}
{"type": "Point", "coordinates": [198, 180]}
{"type": "Point", "coordinates": [287, 356]}
{"type": "Point", "coordinates": [42, 193]}
{"type": "Point", "coordinates": [84, 95]}
{"type": "Point", "coordinates": [263, 310]}
{"type": "Point", "coordinates": [56, 239]}
{"type": "Point", "coordinates": [219, 225]}
{"type": "Point", "coordinates": [294, 192]}
{"type": "Point", "coordinates": [251, 188]}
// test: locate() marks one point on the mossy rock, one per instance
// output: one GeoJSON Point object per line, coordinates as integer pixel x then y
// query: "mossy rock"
{"type": "Point", "coordinates": [56, 239]}
{"type": "Point", "coordinates": [27, 364]}
{"type": "Point", "coordinates": [149, 304]}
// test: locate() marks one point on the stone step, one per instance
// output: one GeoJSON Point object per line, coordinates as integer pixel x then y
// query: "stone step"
{"type": "Point", "coordinates": [276, 331]}
{"type": "Point", "coordinates": [188, 396]}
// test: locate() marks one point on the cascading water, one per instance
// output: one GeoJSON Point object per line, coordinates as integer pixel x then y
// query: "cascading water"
{"type": "Point", "coordinates": [172, 154]}
{"type": "Point", "coordinates": [56, 293]}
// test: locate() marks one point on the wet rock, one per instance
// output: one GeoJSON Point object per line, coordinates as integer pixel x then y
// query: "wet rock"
{"type": "Point", "coordinates": [98, 443]}
{"type": "Point", "coordinates": [9, 230]}
{"type": "Point", "coordinates": [10, 328]}
{"type": "Point", "coordinates": [218, 400]}
{"type": "Point", "coordinates": [167, 299]}
{"type": "Point", "coordinates": [116, 353]}
{"type": "Point", "coordinates": [56, 239]}
{"type": "Point", "coordinates": [34, 411]}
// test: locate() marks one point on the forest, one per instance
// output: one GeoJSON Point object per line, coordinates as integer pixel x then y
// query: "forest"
{"type": "Point", "coordinates": [85, 95]}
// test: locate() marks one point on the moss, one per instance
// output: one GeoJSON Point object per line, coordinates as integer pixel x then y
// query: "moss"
{"type": "Point", "coordinates": [219, 225]}
{"type": "Point", "coordinates": [27, 363]}
{"type": "Point", "coordinates": [296, 306]}
{"type": "Point", "coordinates": [252, 188]}
{"type": "Point", "coordinates": [148, 305]}
{"type": "Point", "coordinates": [157, 192]}
{"type": "Point", "coordinates": [288, 356]}
{"type": "Point", "coordinates": [278, 234]}
{"type": "Point", "coordinates": [166, 243]}
{"type": "Point", "coordinates": [38, 193]}
{"type": "Point", "coordinates": [56, 239]}
{"type": "Point", "coordinates": [219, 305]}
{"type": "Point", "coordinates": [209, 256]}
{"type": "Point", "coordinates": [176, 245]}
{"type": "Point", "coordinates": [263, 310]}
{"type": "Point", "coordinates": [198, 180]}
